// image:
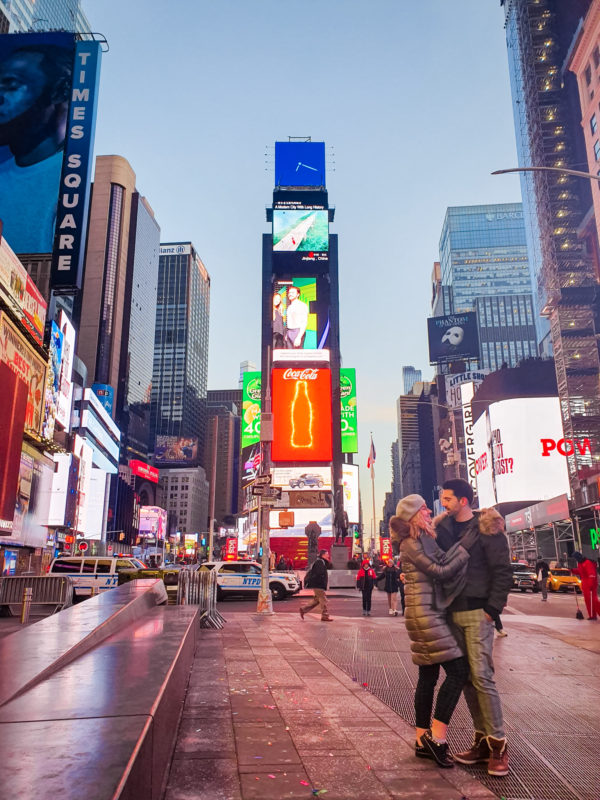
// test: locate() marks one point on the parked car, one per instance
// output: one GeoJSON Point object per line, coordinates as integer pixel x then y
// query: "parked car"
{"type": "Point", "coordinates": [93, 574]}
{"type": "Point", "coordinates": [563, 580]}
{"type": "Point", "coordinates": [243, 578]}
{"type": "Point", "coordinates": [306, 479]}
{"type": "Point", "coordinates": [524, 578]}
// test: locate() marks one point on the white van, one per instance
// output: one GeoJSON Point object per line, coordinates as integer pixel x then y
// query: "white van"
{"type": "Point", "coordinates": [95, 573]}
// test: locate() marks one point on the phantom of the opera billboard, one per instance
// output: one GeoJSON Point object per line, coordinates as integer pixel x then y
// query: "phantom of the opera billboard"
{"type": "Point", "coordinates": [453, 337]}
{"type": "Point", "coordinates": [302, 428]}
{"type": "Point", "coordinates": [47, 122]}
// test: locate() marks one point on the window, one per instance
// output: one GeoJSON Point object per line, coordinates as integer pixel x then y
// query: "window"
{"type": "Point", "coordinates": [597, 149]}
{"type": "Point", "coordinates": [593, 123]}
{"type": "Point", "coordinates": [596, 57]}
{"type": "Point", "coordinates": [104, 565]}
{"type": "Point", "coordinates": [588, 75]}
{"type": "Point", "coordinates": [67, 565]}
{"type": "Point", "coordinates": [89, 565]}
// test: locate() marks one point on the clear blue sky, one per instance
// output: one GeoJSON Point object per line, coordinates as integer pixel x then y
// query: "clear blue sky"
{"type": "Point", "coordinates": [413, 99]}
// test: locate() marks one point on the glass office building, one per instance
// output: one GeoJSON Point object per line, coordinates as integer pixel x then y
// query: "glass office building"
{"type": "Point", "coordinates": [485, 268]}
{"type": "Point", "coordinates": [178, 399]}
{"type": "Point", "coordinates": [42, 15]}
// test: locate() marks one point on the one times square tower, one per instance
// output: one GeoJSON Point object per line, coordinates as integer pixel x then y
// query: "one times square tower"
{"type": "Point", "coordinates": [301, 353]}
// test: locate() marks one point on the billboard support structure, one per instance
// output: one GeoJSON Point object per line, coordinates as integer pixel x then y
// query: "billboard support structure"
{"type": "Point", "coordinates": [264, 604]}
{"type": "Point", "coordinates": [213, 478]}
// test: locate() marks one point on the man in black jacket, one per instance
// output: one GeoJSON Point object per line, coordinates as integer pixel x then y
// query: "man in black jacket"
{"type": "Point", "coordinates": [318, 581]}
{"type": "Point", "coordinates": [488, 582]}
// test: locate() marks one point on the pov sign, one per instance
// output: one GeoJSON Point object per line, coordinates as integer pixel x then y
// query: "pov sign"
{"type": "Point", "coordinates": [566, 447]}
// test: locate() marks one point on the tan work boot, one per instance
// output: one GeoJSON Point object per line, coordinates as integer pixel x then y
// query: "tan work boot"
{"type": "Point", "coordinates": [498, 760]}
{"type": "Point", "coordinates": [477, 754]}
{"type": "Point", "coordinates": [326, 619]}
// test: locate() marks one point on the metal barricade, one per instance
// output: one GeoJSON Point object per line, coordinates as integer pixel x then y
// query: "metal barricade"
{"type": "Point", "coordinates": [199, 588]}
{"type": "Point", "coordinates": [54, 591]}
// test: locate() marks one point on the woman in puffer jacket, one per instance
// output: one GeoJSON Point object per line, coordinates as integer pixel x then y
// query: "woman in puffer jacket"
{"type": "Point", "coordinates": [433, 643]}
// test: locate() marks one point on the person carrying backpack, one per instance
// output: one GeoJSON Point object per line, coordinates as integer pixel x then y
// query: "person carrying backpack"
{"type": "Point", "coordinates": [317, 579]}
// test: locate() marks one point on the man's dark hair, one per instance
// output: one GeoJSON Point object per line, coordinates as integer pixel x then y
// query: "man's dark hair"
{"type": "Point", "coordinates": [460, 488]}
{"type": "Point", "coordinates": [57, 64]}
{"type": "Point", "coordinates": [322, 551]}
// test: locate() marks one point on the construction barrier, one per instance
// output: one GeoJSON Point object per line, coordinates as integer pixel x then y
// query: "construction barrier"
{"type": "Point", "coordinates": [51, 591]}
{"type": "Point", "coordinates": [199, 588]}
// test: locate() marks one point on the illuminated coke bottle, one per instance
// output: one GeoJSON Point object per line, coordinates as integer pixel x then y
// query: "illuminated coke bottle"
{"type": "Point", "coordinates": [301, 417]}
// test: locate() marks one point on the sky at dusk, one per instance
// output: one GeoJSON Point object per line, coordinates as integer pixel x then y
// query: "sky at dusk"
{"type": "Point", "coordinates": [413, 103]}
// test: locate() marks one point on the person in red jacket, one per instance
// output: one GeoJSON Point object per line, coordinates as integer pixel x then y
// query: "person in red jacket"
{"type": "Point", "coordinates": [365, 581]}
{"type": "Point", "coordinates": [589, 583]}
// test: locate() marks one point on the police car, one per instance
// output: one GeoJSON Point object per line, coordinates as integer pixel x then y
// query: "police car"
{"type": "Point", "coordinates": [93, 574]}
{"type": "Point", "coordinates": [243, 577]}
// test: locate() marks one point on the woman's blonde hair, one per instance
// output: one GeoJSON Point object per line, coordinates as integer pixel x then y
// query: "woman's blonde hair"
{"type": "Point", "coordinates": [400, 529]}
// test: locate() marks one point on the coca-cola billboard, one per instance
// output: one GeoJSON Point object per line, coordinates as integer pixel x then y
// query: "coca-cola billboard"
{"type": "Point", "coordinates": [301, 414]}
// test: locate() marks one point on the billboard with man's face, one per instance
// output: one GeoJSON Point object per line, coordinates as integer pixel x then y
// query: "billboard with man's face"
{"type": "Point", "coordinates": [170, 450]}
{"type": "Point", "coordinates": [453, 337]}
{"type": "Point", "coordinates": [48, 91]}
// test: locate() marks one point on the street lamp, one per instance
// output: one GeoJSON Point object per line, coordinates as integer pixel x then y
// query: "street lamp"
{"type": "Point", "coordinates": [565, 171]}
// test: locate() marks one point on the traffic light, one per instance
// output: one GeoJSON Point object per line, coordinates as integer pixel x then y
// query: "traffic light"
{"type": "Point", "coordinates": [203, 541]}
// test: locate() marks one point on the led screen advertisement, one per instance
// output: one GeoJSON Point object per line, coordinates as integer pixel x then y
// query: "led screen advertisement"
{"type": "Point", "coordinates": [300, 230]}
{"type": "Point", "coordinates": [351, 501]}
{"type": "Point", "coordinates": [349, 423]}
{"type": "Point", "coordinates": [153, 522]}
{"type": "Point", "coordinates": [30, 368]}
{"type": "Point", "coordinates": [300, 164]}
{"type": "Point", "coordinates": [251, 398]}
{"type": "Point", "coordinates": [301, 414]}
{"type": "Point", "coordinates": [453, 337]}
{"type": "Point", "coordinates": [21, 294]}
{"type": "Point", "coordinates": [65, 399]}
{"type": "Point", "coordinates": [509, 460]}
{"type": "Point", "coordinates": [176, 450]}
{"type": "Point", "coordinates": [47, 118]}
{"type": "Point", "coordinates": [52, 381]}
{"type": "Point", "coordinates": [302, 518]}
{"type": "Point", "coordinates": [13, 403]}
{"type": "Point", "coordinates": [301, 479]}
{"type": "Point", "coordinates": [251, 461]}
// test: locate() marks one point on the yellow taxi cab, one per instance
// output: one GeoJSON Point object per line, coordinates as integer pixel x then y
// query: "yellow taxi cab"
{"type": "Point", "coordinates": [561, 579]}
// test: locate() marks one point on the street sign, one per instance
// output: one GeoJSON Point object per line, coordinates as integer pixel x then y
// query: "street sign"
{"type": "Point", "coordinates": [274, 492]}
{"type": "Point", "coordinates": [269, 501]}
{"type": "Point", "coordinates": [262, 480]}
{"type": "Point", "coordinates": [83, 546]}
{"type": "Point", "coordinates": [259, 490]}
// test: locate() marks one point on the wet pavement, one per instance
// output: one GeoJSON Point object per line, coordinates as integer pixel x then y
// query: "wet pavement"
{"type": "Point", "coordinates": [280, 708]}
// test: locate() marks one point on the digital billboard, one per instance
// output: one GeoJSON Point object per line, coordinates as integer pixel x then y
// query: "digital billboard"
{"type": "Point", "coordinates": [106, 395]}
{"type": "Point", "coordinates": [251, 461]}
{"type": "Point", "coordinates": [351, 496]}
{"type": "Point", "coordinates": [25, 362]}
{"type": "Point", "coordinates": [301, 479]}
{"type": "Point", "coordinates": [300, 164]}
{"type": "Point", "coordinates": [251, 398]}
{"type": "Point", "coordinates": [509, 460]}
{"type": "Point", "coordinates": [176, 450]}
{"type": "Point", "coordinates": [301, 414]}
{"type": "Point", "coordinates": [143, 470]}
{"type": "Point", "coordinates": [349, 424]}
{"type": "Point", "coordinates": [453, 337]}
{"type": "Point", "coordinates": [49, 83]}
{"type": "Point", "coordinates": [302, 518]}
{"type": "Point", "coordinates": [85, 454]}
{"type": "Point", "coordinates": [52, 381]}
{"type": "Point", "coordinates": [65, 399]}
{"type": "Point", "coordinates": [300, 230]}
{"type": "Point", "coordinates": [153, 522]}
{"type": "Point", "coordinates": [13, 403]}
{"type": "Point", "coordinates": [21, 294]}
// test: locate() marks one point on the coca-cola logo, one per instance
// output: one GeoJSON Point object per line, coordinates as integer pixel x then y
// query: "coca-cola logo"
{"type": "Point", "coordinates": [307, 374]}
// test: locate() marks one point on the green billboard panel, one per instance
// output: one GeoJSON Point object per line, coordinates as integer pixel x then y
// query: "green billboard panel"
{"type": "Point", "coordinates": [251, 409]}
{"type": "Point", "coordinates": [348, 410]}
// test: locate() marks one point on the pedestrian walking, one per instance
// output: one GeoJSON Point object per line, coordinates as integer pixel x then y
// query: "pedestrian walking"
{"type": "Point", "coordinates": [542, 569]}
{"type": "Point", "coordinates": [365, 583]}
{"type": "Point", "coordinates": [589, 583]}
{"type": "Point", "coordinates": [391, 585]}
{"type": "Point", "coordinates": [317, 580]}
{"type": "Point", "coordinates": [401, 585]}
{"type": "Point", "coordinates": [433, 642]}
{"type": "Point", "coordinates": [482, 598]}
{"type": "Point", "coordinates": [282, 564]}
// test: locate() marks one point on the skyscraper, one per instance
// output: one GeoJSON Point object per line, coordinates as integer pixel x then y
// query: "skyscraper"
{"type": "Point", "coordinates": [178, 400]}
{"type": "Point", "coordinates": [119, 299]}
{"type": "Point", "coordinates": [485, 268]}
{"type": "Point", "coordinates": [410, 376]}
{"type": "Point", "coordinates": [539, 34]}
{"type": "Point", "coordinates": [42, 15]}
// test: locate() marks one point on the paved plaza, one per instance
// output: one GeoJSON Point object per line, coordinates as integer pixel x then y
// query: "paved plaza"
{"type": "Point", "coordinates": [280, 708]}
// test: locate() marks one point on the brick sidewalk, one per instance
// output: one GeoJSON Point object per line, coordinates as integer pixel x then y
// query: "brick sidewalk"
{"type": "Point", "coordinates": [268, 716]}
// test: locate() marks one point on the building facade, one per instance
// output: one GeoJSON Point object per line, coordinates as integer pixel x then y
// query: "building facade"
{"type": "Point", "coordinates": [539, 35]}
{"type": "Point", "coordinates": [484, 267]}
{"type": "Point", "coordinates": [42, 15]}
{"type": "Point", "coordinates": [185, 496]}
{"type": "Point", "coordinates": [410, 376]}
{"type": "Point", "coordinates": [178, 397]}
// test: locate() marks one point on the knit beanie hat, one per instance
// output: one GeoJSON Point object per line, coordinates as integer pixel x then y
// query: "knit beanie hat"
{"type": "Point", "coordinates": [578, 556]}
{"type": "Point", "coordinates": [408, 506]}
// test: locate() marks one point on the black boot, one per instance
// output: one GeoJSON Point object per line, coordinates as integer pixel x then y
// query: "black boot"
{"type": "Point", "coordinates": [439, 752]}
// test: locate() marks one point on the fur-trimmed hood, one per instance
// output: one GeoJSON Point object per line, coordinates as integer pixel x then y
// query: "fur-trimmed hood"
{"type": "Point", "coordinates": [490, 521]}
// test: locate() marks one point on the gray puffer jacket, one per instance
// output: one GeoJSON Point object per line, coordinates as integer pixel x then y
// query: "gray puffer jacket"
{"type": "Point", "coordinates": [432, 640]}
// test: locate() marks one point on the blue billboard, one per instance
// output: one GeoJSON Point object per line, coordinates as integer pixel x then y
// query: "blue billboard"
{"type": "Point", "coordinates": [300, 164]}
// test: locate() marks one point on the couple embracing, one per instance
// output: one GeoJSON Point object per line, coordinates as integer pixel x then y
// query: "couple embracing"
{"type": "Point", "coordinates": [458, 576]}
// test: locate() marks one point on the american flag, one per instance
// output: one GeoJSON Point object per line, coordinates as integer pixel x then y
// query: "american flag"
{"type": "Point", "coordinates": [371, 458]}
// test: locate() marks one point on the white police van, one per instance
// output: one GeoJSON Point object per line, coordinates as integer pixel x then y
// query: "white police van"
{"type": "Point", "coordinates": [243, 578]}
{"type": "Point", "coordinates": [93, 574]}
